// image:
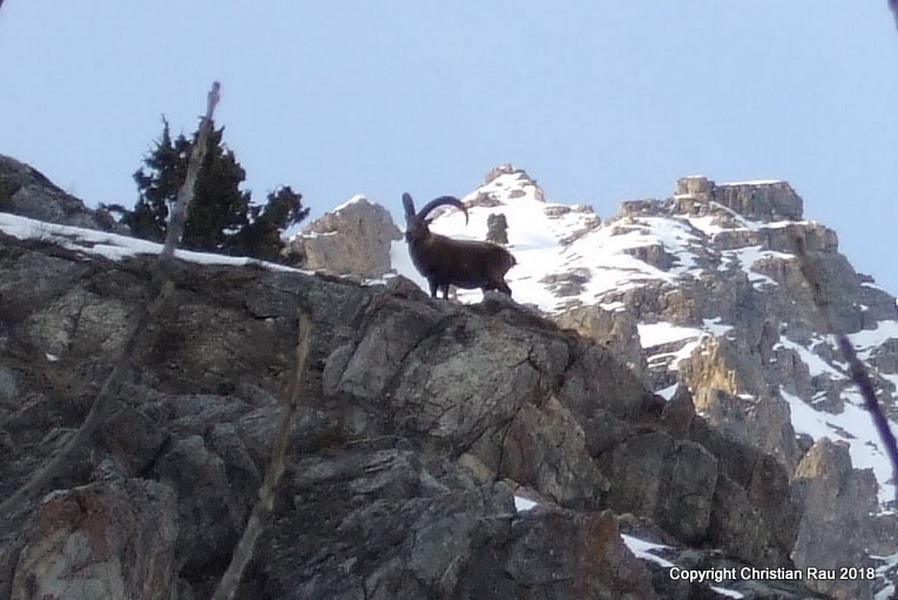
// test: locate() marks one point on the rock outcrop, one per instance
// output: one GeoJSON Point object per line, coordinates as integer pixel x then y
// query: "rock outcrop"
{"type": "Point", "coordinates": [655, 409]}
{"type": "Point", "coordinates": [838, 503]}
{"type": "Point", "coordinates": [27, 192]}
{"type": "Point", "coordinates": [380, 499]}
{"type": "Point", "coordinates": [353, 239]}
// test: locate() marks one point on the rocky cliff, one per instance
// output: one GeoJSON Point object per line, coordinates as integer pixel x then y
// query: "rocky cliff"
{"type": "Point", "coordinates": [447, 450]}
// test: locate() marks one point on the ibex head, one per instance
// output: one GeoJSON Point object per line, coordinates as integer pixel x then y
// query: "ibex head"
{"type": "Point", "coordinates": [417, 224]}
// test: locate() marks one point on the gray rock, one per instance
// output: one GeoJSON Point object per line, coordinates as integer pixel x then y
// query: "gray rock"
{"type": "Point", "coordinates": [353, 240]}
{"type": "Point", "coordinates": [671, 481]}
{"type": "Point", "coordinates": [534, 558]}
{"type": "Point", "coordinates": [100, 541]}
{"type": "Point", "coordinates": [837, 502]}
{"type": "Point", "coordinates": [615, 330]}
{"type": "Point", "coordinates": [497, 228]}
{"type": "Point", "coordinates": [25, 191]}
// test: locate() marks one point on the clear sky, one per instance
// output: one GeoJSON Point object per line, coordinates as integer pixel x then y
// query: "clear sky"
{"type": "Point", "coordinates": [600, 101]}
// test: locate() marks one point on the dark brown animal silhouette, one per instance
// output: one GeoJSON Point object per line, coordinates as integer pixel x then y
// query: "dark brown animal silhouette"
{"type": "Point", "coordinates": [444, 261]}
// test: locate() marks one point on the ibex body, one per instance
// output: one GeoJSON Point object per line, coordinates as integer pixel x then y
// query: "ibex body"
{"type": "Point", "coordinates": [444, 261]}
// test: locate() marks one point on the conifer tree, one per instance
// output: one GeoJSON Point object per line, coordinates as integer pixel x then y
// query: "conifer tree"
{"type": "Point", "coordinates": [222, 217]}
{"type": "Point", "coordinates": [261, 238]}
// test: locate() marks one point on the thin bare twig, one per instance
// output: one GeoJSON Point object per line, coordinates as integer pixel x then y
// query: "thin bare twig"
{"type": "Point", "coordinates": [243, 552]}
{"type": "Point", "coordinates": [161, 294]}
{"type": "Point", "coordinates": [859, 374]}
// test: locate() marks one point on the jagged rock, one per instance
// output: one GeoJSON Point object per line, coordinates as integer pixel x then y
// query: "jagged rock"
{"type": "Point", "coordinates": [637, 208]}
{"type": "Point", "coordinates": [535, 558]}
{"type": "Point", "coordinates": [616, 330]}
{"type": "Point", "coordinates": [730, 392]}
{"type": "Point", "coordinates": [437, 393]}
{"type": "Point", "coordinates": [570, 283]}
{"type": "Point", "coordinates": [521, 181]}
{"type": "Point", "coordinates": [497, 226]}
{"type": "Point", "coordinates": [654, 255]}
{"type": "Point", "coordinates": [503, 169]}
{"type": "Point", "coordinates": [649, 476]}
{"type": "Point", "coordinates": [545, 448]}
{"type": "Point", "coordinates": [679, 413]}
{"type": "Point", "coordinates": [27, 192]}
{"type": "Point", "coordinates": [767, 487]}
{"type": "Point", "coordinates": [354, 239]}
{"type": "Point", "coordinates": [412, 521]}
{"type": "Point", "coordinates": [696, 185]}
{"type": "Point", "coordinates": [102, 540]}
{"type": "Point", "coordinates": [837, 502]}
{"type": "Point", "coordinates": [759, 200]}
{"type": "Point", "coordinates": [483, 199]}
{"type": "Point", "coordinates": [768, 201]}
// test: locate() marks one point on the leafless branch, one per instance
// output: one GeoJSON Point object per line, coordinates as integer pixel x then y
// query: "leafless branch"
{"type": "Point", "coordinates": [185, 193]}
{"type": "Point", "coordinates": [859, 374]}
{"type": "Point", "coordinates": [227, 586]}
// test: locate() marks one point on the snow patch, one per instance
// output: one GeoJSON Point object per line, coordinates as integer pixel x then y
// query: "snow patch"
{"type": "Point", "coordinates": [643, 549]}
{"type": "Point", "coordinates": [523, 504]}
{"type": "Point", "coordinates": [354, 200]}
{"type": "Point", "coordinates": [867, 340]}
{"type": "Point", "coordinates": [656, 334]}
{"type": "Point", "coordinates": [113, 246]}
{"type": "Point", "coordinates": [752, 182]}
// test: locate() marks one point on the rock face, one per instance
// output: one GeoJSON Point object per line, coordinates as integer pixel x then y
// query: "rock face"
{"type": "Point", "coordinates": [100, 540]}
{"type": "Point", "coordinates": [421, 419]}
{"type": "Point", "coordinates": [25, 191]}
{"type": "Point", "coordinates": [616, 330]}
{"type": "Point", "coordinates": [353, 239]}
{"type": "Point", "coordinates": [838, 502]}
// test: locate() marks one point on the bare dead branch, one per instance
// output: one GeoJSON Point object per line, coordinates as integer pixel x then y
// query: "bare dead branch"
{"type": "Point", "coordinates": [859, 374]}
{"type": "Point", "coordinates": [243, 552]}
{"type": "Point", "coordinates": [186, 191]}
{"type": "Point", "coordinates": [161, 294]}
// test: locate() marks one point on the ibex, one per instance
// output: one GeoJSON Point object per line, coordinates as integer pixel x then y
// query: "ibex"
{"type": "Point", "coordinates": [444, 261]}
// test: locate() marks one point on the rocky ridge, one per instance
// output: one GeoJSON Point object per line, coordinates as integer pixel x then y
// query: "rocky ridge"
{"type": "Point", "coordinates": [702, 291]}
{"type": "Point", "coordinates": [428, 423]}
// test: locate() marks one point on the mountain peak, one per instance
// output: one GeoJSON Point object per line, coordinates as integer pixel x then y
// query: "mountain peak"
{"type": "Point", "coordinates": [505, 183]}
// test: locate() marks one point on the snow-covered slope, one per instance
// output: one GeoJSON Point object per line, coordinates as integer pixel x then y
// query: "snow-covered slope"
{"type": "Point", "coordinates": [712, 261]}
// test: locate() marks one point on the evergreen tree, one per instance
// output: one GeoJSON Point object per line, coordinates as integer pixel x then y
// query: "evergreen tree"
{"type": "Point", "coordinates": [158, 188]}
{"type": "Point", "coordinates": [262, 236]}
{"type": "Point", "coordinates": [221, 217]}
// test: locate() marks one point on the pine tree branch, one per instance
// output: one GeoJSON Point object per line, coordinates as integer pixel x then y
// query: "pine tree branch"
{"type": "Point", "coordinates": [161, 293]}
{"type": "Point", "coordinates": [859, 374]}
{"type": "Point", "coordinates": [243, 552]}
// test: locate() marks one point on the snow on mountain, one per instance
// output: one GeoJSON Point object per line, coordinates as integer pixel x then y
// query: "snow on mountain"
{"type": "Point", "coordinates": [660, 259]}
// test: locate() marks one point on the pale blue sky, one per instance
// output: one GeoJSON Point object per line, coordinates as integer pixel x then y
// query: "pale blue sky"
{"type": "Point", "coordinates": [600, 101]}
